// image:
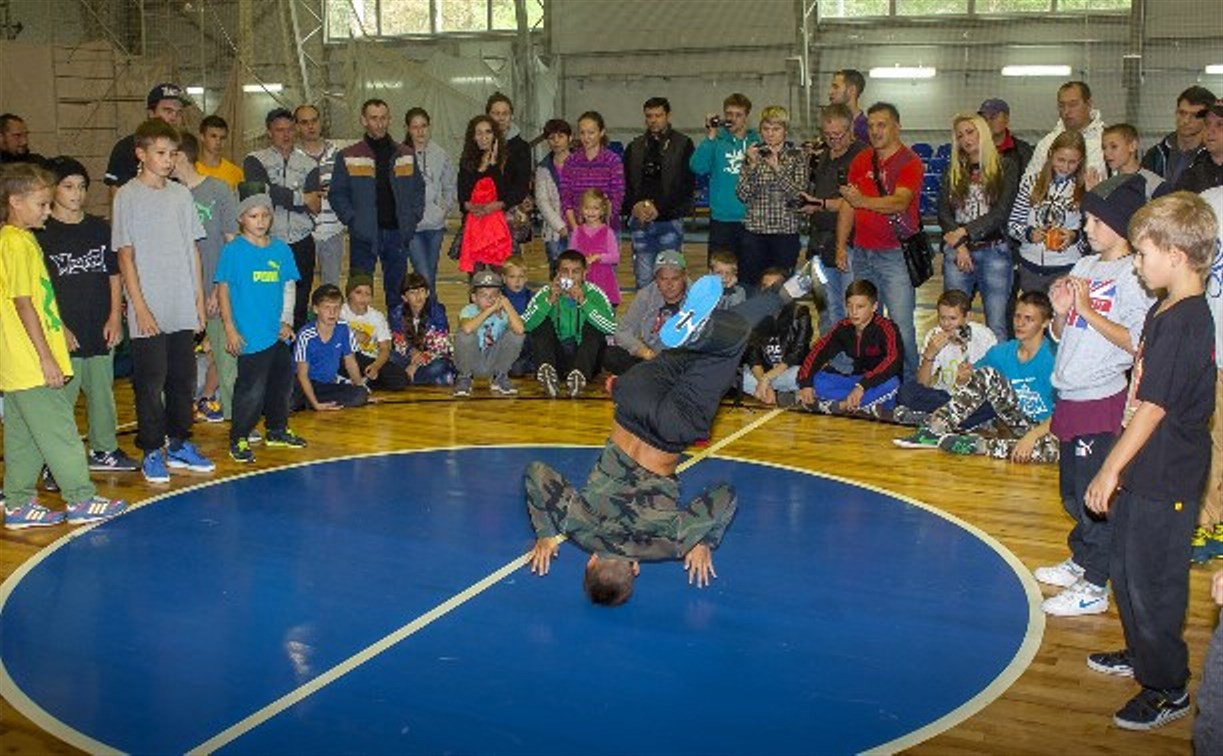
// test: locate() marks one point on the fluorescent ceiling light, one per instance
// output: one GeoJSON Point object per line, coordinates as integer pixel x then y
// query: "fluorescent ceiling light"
{"type": "Point", "coordinates": [1036, 70]}
{"type": "Point", "coordinates": [256, 88]}
{"type": "Point", "coordinates": [195, 90]}
{"type": "Point", "coordinates": [472, 80]}
{"type": "Point", "coordinates": [1215, 69]}
{"type": "Point", "coordinates": [903, 72]}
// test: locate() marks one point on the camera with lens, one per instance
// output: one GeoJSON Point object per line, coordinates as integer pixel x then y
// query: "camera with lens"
{"type": "Point", "coordinates": [763, 150]}
{"type": "Point", "coordinates": [716, 122]}
{"type": "Point", "coordinates": [962, 335]}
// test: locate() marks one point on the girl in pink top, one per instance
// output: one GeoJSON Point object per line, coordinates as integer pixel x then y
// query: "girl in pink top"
{"type": "Point", "coordinates": [597, 241]}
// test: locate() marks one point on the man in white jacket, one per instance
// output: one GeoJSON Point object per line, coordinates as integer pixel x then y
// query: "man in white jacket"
{"type": "Point", "coordinates": [1074, 112]}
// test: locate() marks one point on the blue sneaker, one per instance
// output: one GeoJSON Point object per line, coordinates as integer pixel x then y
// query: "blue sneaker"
{"type": "Point", "coordinates": [684, 326]}
{"type": "Point", "coordinates": [95, 509]}
{"type": "Point", "coordinates": [188, 457]}
{"type": "Point", "coordinates": [154, 467]}
{"type": "Point", "coordinates": [31, 515]}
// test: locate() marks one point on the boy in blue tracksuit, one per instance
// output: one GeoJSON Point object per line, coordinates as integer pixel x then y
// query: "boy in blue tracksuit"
{"type": "Point", "coordinates": [720, 157]}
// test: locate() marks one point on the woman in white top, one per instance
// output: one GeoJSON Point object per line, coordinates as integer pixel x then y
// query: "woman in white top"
{"type": "Point", "coordinates": [441, 195]}
{"type": "Point", "coordinates": [558, 133]}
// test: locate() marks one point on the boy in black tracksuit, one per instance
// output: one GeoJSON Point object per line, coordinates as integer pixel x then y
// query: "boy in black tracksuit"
{"type": "Point", "coordinates": [872, 342]}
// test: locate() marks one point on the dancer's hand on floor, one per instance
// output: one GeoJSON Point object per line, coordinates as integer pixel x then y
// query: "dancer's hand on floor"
{"type": "Point", "coordinates": [541, 556]}
{"type": "Point", "coordinates": [699, 563]}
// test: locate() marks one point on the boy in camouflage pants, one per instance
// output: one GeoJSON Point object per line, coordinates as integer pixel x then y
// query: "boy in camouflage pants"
{"type": "Point", "coordinates": [627, 509]}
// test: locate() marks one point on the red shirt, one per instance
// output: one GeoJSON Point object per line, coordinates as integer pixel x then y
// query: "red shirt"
{"type": "Point", "coordinates": [904, 168]}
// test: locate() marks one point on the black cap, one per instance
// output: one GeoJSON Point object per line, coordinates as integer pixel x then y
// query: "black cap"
{"type": "Point", "coordinates": [65, 166]}
{"type": "Point", "coordinates": [1115, 200]}
{"type": "Point", "coordinates": [167, 92]}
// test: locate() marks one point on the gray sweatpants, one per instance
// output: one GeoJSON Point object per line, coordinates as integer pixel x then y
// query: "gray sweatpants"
{"type": "Point", "coordinates": [469, 359]}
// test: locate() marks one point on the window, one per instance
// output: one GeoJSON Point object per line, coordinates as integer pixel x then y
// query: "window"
{"type": "Point", "coordinates": [834, 9]}
{"type": "Point", "coordinates": [394, 18]}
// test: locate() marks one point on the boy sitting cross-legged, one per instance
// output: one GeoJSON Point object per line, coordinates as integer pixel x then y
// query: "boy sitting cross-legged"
{"type": "Point", "coordinates": [489, 337]}
{"type": "Point", "coordinates": [871, 341]}
{"type": "Point", "coordinates": [1015, 378]}
{"type": "Point", "coordinates": [322, 348]}
{"type": "Point", "coordinates": [255, 289]}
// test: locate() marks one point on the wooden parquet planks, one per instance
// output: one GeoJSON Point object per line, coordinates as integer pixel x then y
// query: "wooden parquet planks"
{"type": "Point", "coordinates": [1056, 706]}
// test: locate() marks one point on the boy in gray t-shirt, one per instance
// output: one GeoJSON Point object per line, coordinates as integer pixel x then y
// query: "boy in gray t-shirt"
{"type": "Point", "coordinates": [155, 228]}
{"type": "Point", "coordinates": [217, 207]}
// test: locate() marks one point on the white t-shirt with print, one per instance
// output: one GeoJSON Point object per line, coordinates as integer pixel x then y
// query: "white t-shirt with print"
{"type": "Point", "coordinates": [948, 360]}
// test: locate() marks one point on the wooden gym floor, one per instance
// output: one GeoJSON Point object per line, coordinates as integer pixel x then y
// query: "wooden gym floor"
{"type": "Point", "coordinates": [1056, 705]}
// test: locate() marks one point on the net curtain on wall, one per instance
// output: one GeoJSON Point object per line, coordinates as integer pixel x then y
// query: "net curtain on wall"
{"type": "Point", "coordinates": [451, 89]}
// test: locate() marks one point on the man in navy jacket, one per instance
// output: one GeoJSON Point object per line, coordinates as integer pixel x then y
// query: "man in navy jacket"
{"type": "Point", "coordinates": [378, 193]}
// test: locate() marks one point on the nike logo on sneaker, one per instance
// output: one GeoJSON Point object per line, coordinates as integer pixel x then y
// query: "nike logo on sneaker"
{"type": "Point", "coordinates": [1084, 604]}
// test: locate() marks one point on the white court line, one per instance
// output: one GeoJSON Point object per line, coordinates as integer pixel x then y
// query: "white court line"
{"type": "Point", "coordinates": [235, 731]}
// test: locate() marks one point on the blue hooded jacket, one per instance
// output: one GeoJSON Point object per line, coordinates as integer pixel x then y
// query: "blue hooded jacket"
{"type": "Point", "coordinates": [720, 159]}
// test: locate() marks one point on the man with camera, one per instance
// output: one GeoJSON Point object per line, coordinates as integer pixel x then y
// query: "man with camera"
{"type": "Point", "coordinates": [881, 211]}
{"type": "Point", "coordinates": [658, 188]}
{"type": "Point", "coordinates": [720, 157]}
{"type": "Point", "coordinates": [568, 321]}
{"type": "Point", "coordinates": [829, 171]}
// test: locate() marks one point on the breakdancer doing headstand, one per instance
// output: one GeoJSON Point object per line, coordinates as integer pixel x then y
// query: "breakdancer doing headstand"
{"type": "Point", "coordinates": [627, 511]}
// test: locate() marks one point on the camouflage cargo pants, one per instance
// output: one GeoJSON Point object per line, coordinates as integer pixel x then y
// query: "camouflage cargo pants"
{"type": "Point", "coordinates": [627, 511]}
{"type": "Point", "coordinates": [988, 386]}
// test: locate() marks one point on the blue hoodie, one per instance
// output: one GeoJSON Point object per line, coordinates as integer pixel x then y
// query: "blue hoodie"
{"type": "Point", "coordinates": [720, 159]}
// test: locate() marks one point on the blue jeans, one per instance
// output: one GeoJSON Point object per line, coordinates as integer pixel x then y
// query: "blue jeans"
{"type": "Point", "coordinates": [885, 268]}
{"type": "Point", "coordinates": [648, 241]}
{"type": "Point", "coordinates": [553, 250]}
{"type": "Point", "coordinates": [423, 251]}
{"type": "Point", "coordinates": [834, 294]}
{"type": "Point", "coordinates": [390, 249]}
{"type": "Point", "coordinates": [787, 381]}
{"type": "Point", "coordinates": [991, 276]}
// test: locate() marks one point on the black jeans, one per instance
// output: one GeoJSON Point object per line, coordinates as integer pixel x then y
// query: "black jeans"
{"type": "Point", "coordinates": [391, 377]}
{"type": "Point", "coordinates": [1150, 570]}
{"type": "Point", "coordinates": [725, 236]}
{"type": "Point", "coordinates": [584, 356]}
{"type": "Point", "coordinates": [761, 251]}
{"type": "Point", "coordinates": [264, 384]}
{"type": "Point", "coordinates": [343, 394]}
{"type": "Point", "coordinates": [670, 401]}
{"type": "Point", "coordinates": [1091, 538]}
{"type": "Point", "coordinates": [163, 381]}
{"type": "Point", "coordinates": [303, 256]}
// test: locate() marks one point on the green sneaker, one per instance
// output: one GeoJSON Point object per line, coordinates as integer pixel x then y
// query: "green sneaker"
{"type": "Point", "coordinates": [241, 452]}
{"type": "Point", "coordinates": [960, 443]}
{"type": "Point", "coordinates": [1213, 547]}
{"type": "Point", "coordinates": [924, 438]}
{"type": "Point", "coordinates": [1199, 537]}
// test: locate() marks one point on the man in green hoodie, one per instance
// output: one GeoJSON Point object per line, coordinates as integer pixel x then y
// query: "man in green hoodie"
{"type": "Point", "coordinates": [720, 157]}
{"type": "Point", "coordinates": [568, 321]}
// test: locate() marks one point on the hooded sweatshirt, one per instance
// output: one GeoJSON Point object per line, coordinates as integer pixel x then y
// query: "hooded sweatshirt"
{"type": "Point", "coordinates": [720, 159]}
{"type": "Point", "coordinates": [1093, 134]}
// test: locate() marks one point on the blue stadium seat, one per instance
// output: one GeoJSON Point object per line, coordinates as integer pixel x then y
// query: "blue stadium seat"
{"type": "Point", "coordinates": [943, 151]}
{"type": "Point", "coordinates": [923, 150]}
{"type": "Point", "coordinates": [616, 147]}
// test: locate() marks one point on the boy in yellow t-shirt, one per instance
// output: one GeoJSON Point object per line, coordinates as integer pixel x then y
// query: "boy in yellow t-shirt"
{"type": "Point", "coordinates": [39, 426]}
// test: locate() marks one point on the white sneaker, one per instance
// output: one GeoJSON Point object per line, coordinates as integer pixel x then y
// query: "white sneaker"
{"type": "Point", "coordinates": [1080, 598]}
{"type": "Point", "coordinates": [1063, 575]}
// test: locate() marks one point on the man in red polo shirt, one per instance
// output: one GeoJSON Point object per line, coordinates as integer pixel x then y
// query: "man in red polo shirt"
{"type": "Point", "coordinates": [875, 254]}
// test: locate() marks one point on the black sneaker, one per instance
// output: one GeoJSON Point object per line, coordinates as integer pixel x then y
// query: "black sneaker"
{"type": "Point", "coordinates": [112, 461]}
{"type": "Point", "coordinates": [576, 382]}
{"type": "Point", "coordinates": [1152, 708]}
{"type": "Point", "coordinates": [1118, 663]}
{"type": "Point", "coordinates": [546, 375]}
{"type": "Point", "coordinates": [241, 452]}
{"type": "Point", "coordinates": [48, 480]}
{"type": "Point", "coordinates": [285, 439]}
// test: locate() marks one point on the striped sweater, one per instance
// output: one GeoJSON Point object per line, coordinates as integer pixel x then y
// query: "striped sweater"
{"type": "Point", "coordinates": [1057, 209]}
{"type": "Point", "coordinates": [605, 172]}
